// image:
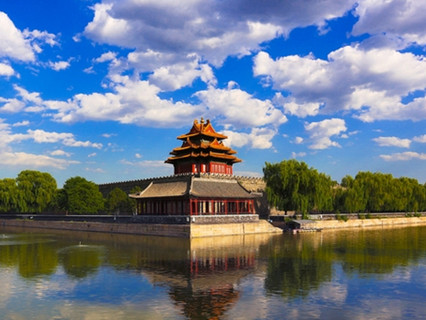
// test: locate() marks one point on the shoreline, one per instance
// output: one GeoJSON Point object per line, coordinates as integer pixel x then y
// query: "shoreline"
{"type": "Point", "coordinates": [326, 225]}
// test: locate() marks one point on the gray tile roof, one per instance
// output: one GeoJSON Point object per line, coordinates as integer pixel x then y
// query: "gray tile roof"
{"type": "Point", "coordinates": [218, 189]}
{"type": "Point", "coordinates": [194, 187]}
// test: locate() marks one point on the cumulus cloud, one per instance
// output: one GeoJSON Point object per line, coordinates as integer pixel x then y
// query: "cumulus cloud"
{"type": "Point", "coordinates": [177, 43]}
{"type": "Point", "coordinates": [257, 138]}
{"type": "Point", "coordinates": [6, 70]}
{"type": "Point", "coordinates": [12, 42]}
{"type": "Point", "coordinates": [403, 19]}
{"type": "Point", "coordinates": [320, 133]}
{"type": "Point", "coordinates": [173, 77]}
{"type": "Point", "coordinates": [60, 153]}
{"type": "Point", "coordinates": [132, 101]}
{"type": "Point", "coordinates": [421, 139]}
{"type": "Point", "coordinates": [403, 156]}
{"type": "Point", "coordinates": [240, 109]}
{"type": "Point", "coordinates": [298, 140]}
{"type": "Point", "coordinates": [41, 136]}
{"type": "Point", "coordinates": [59, 65]}
{"type": "Point", "coordinates": [370, 82]}
{"type": "Point", "coordinates": [212, 28]}
{"type": "Point", "coordinates": [107, 56]}
{"type": "Point", "coordinates": [22, 159]}
{"type": "Point", "coordinates": [392, 142]}
{"type": "Point", "coordinates": [21, 45]}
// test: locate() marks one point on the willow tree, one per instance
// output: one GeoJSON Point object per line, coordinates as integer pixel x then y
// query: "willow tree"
{"type": "Point", "coordinates": [36, 190]}
{"type": "Point", "coordinates": [292, 185]}
{"type": "Point", "coordinates": [9, 195]}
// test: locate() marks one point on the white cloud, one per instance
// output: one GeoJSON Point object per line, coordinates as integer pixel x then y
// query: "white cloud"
{"type": "Point", "coordinates": [301, 110]}
{"type": "Point", "coordinates": [33, 160]}
{"type": "Point", "coordinates": [23, 123]}
{"type": "Point", "coordinates": [371, 82]}
{"type": "Point", "coordinates": [41, 136]}
{"type": "Point", "coordinates": [108, 135]}
{"type": "Point", "coordinates": [11, 105]}
{"type": "Point", "coordinates": [298, 154]}
{"type": "Point", "coordinates": [298, 140]}
{"type": "Point", "coordinates": [24, 45]}
{"type": "Point", "coordinates": [211, 29]}
{"type": "Point", "coordinates": [179, 75]}
{"type": "Point", "coordinates": [321, 132]}
{"type": "Point", "coordinates": [6, 70]}
{"type": "Point", "coordinates": [60, 153]}
{"type": "Point", "coordinates": [392, 142]}
{"type": "Point", "coordinates": [240, 109]}
{"type": "Point", "coordinates": [421, 139]}
{"type": "Point", "coordinates": [40, 37]}
{"type": "Point", "coordinates": [132, 102]}
{"type": "Point", "coordinates": [107, 56]}
{"type": "Point", "coordinates": [147, 164]}
{"type": "Point", "coordinates": [403, 156]}
{"type": "Point", "coordinates": [96, 170]}
{"type": "Point", "coordinates": [60, 65]}
{"type": "Point", "coordinates": [403, 19]}
{"type": "Point", "coordinates": [258, 138]}
{"type": "Point", "coordinates": [12, 42]}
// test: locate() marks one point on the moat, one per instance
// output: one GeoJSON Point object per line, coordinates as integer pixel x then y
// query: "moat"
{"type": "Point", "coordinates": [352, 274]}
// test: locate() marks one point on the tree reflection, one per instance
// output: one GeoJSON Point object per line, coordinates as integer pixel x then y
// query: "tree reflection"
{"type": "Point", "coordinates": [294, 270]}
{"type": "Point", "coordinates": [297, 265]}
{"type": "Point", "coordinates": [379, 251]}
{"type": "Point", "coordinates": [81, 261]}
{"type": "Point", "coordinates": [34, 256]}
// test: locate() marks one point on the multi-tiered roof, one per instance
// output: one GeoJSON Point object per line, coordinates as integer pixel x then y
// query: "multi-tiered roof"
{"type": "Point", "coordinates": [202, 151]}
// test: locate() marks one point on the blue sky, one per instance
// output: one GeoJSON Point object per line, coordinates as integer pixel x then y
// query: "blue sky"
{"type": "Point", "coordinates": [101, 89]}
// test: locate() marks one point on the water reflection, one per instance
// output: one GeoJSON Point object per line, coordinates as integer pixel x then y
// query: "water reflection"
{"type": "Point", "coordinates": [81, 260]}
{"type": "Point", "coordinates": [308, 275]}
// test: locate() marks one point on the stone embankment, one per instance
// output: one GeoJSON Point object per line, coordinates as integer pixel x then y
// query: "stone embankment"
{"type": "Point", "coordinates": [359, 223]}
{"type": "Point", "coordinates": [192, 230]}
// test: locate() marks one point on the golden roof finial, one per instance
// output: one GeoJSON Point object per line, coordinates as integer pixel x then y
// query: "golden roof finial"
{"type": "Point", "coordinates": [202, 120]}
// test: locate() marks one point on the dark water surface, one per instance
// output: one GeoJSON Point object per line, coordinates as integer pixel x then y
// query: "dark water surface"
{"type": "Point", "coordinates": [366, 274]}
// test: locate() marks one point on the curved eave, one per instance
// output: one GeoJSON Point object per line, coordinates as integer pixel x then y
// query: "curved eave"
{"type": "Point", "coordinates": [211, 155]}
{"type": "Point", "coordinates": [207, 134]}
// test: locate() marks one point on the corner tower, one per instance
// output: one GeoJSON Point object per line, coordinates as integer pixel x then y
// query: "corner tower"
{"type": "Point", "coordinates": [202, 151]}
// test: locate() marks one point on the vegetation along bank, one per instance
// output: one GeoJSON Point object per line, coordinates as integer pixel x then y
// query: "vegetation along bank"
{"type": "Point", "coordinates": [290, 186]}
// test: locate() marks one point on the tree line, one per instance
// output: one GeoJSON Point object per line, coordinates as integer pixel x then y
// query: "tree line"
{"type": "Point", "coordinates": [290, 186]}
{"type": "Point", "coordinates": [37, 192]}
{"type": "Point", "coordinates": [293, 186]}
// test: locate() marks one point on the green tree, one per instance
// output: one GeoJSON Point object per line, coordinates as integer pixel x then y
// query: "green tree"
{"type": "Point", "coordinates": [292, 185]}
{"type": "Point", "coordinates": [37, 190]}
{"type": "Point", "coordinates": [118, 202]}
{"type": "Point", "coordinates": [9, 195]}
{"type": "Point", "coordinates": [82, 196]}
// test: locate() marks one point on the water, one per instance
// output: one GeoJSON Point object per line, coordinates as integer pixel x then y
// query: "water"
{"type": "Point", "coordinates": [366, 274]}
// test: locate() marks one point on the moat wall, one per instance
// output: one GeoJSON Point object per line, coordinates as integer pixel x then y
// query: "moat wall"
{"type": "Point", "coordinates": [362, 223]}
{"type": "Point", "coordinates": [192, 230]}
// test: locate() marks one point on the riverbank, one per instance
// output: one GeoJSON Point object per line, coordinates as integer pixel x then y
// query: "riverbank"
{"type": "Point", "coordinates": [312, 225]}
{"type": "Point", "coordinates": [190, 230]}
